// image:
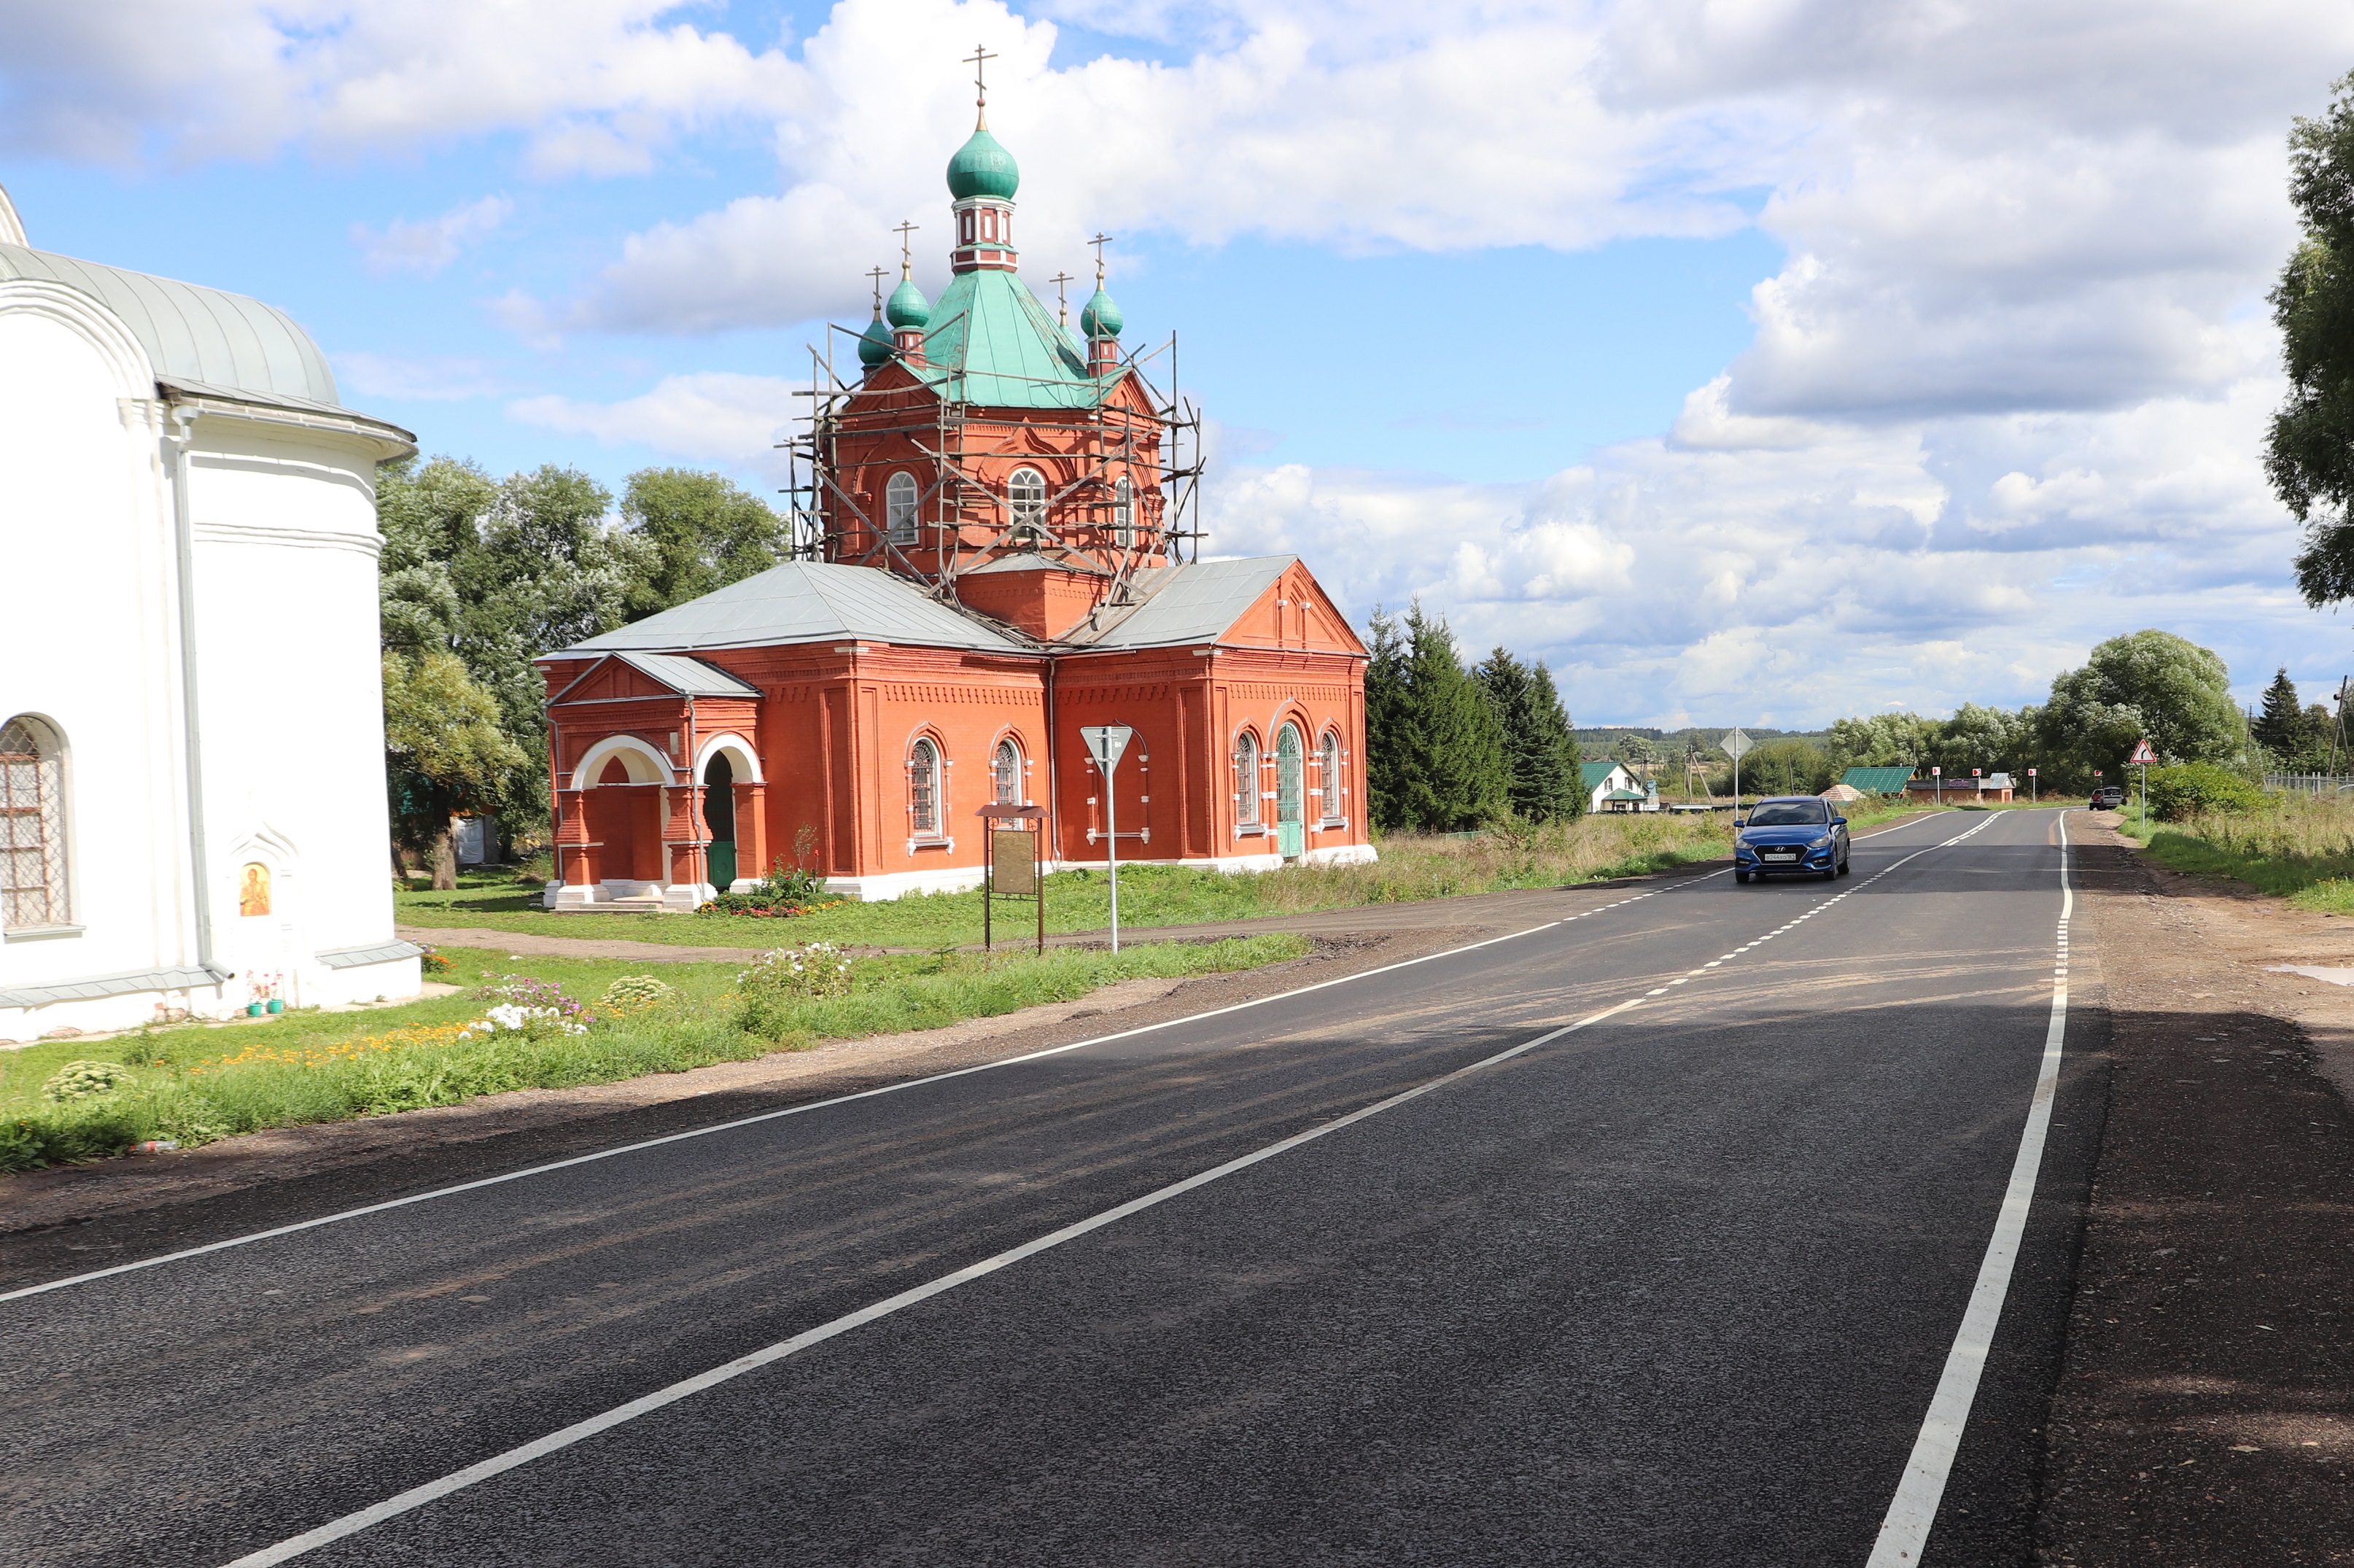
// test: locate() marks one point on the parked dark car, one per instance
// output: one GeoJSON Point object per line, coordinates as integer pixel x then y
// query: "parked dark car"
{"type": "Point", "coordinates": [1789, 833]}
{"type": "Point", "coordinates": [2109, 797]}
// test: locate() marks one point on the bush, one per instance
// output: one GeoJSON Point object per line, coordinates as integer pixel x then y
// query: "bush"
{"type": "Point", "coordinates": [2190, 789]}
{"type": "Point", "coordinates": [634, 994]}
{"type": "Point", "coordinates": [87, 1081]}
{"type": "Point", "coordinates": [781, 979]}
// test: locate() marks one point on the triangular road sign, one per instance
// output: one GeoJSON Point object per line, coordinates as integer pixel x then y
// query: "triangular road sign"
{"type": "Point", "coordinates": [1104, 743]}
{"type": "Point", "coordinates": [2142, 758]}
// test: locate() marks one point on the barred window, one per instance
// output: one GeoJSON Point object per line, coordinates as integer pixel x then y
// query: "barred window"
{"type": "Point", "coordinates": [924, 790]}
{"type": "Point", "coordinates": [32, 825]}
{"type": "Point", "coordinates": [1123, 514]}
{"type": "Point", "coordinates": [1247, 779]}
{"type": "Point", "coordinates": [1026, 493]}
{"type": "Point", "coordinates": [1328, 756]}
{"type": "Point", "coordinates": [1006, 768]}
{"type": "Point", "coordinates": [899, 508]}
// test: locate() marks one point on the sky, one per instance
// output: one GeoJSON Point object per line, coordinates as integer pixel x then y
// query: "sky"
{"type": "Point", "coordinates": [1749, 361]}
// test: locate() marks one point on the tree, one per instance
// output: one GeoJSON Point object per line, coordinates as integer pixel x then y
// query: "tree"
{"type": "Point", "coordinates": [1541, 771]}
{"type": "Point", "coordinates": [1883, 740]}
{"type": "Point", "coordinates": [704, 531]}
{"type": "Point", "coordinates": [2146, 684]}
{"type": "Point", "coordinates": [444, 753]}
{"type": "Point", "coordinates": [2280, 727]}
{"type": "Point", "coordinates": [1437, 747]}
{"type": "Point", "coordinates": [2309, 451]}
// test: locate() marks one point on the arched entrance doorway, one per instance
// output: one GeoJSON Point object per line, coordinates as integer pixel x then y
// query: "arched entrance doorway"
{"type": "Point", "coordinates": [719, 820]}
{"type": "Point", "coordinates": [1291, 794]}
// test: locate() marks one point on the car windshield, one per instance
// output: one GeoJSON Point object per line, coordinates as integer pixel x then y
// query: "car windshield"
{"type": "Point", "coordinates": [1789, 814]}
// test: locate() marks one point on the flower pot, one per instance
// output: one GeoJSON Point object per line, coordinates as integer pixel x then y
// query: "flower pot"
{"type": "Point", "coordinates": [253, 1010]}
{"type": "Point", "coordinates": [276, 1005]}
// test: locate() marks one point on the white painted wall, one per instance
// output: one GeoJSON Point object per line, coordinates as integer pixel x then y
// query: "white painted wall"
{"type": "Point", "coordinates": [289, 693]}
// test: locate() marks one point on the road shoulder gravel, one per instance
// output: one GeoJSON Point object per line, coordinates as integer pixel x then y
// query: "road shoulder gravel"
{"type": "Point", "coordinates": [2204, 1412]}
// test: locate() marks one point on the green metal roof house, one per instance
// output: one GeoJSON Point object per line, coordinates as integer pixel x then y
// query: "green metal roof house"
{"type": "Point", "coordinates": [1877, 780]}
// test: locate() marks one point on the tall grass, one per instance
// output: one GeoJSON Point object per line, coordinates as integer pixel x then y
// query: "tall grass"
{"type": "Point", "coordinates": [196, 1085]}
{"type": "Point", "coordinates": [2300, 847]}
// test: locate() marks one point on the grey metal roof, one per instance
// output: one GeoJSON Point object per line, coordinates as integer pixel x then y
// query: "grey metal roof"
{"type": "Point", "coordinates": [690, 677]}
{"type": "Point", "coordinates": [805, 601]}
{"type": "Point", "coordinates": [179, 977]}
{"type": "Point", "coordinates": [369, 953]}
{"type": "Point", "coordinates": [1195, 602]}
{"type": "Point", "coordinates": [193, 333]}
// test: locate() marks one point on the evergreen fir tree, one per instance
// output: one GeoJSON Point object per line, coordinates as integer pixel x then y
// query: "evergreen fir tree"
{"type": "Point", "coordinates": [1541, 762]}
{"type": "Point", "coordinates": [1438, 750]}
{"type": "Point", "coordinates": [2280, 727]}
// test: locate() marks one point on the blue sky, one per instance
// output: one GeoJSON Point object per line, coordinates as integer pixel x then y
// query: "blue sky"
{"type": "Point", "coordinates": [1749, 362]}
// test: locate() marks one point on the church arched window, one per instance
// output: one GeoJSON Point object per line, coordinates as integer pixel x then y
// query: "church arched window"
{"type": "Point", "coordinates": [1328, 770]}
{"type": "Point", "coordinates": [1247, 779]}
{"type": "Point", "coordinates": [924, 790]}
{"type": "Point", "coordinates": [32, 825]}
{"type": "Point", "coordinates": [899, 508]}
{"type": "Point", "coordinates": [1005, 772]}
{"type": "Point", "coordinates": [1123, 513]}
{"type": "Point", "coordinates": [1025, 495]}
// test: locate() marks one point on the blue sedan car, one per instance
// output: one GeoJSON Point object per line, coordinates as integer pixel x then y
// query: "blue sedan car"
{"type": "Point", "coordinates": [1789, 833]}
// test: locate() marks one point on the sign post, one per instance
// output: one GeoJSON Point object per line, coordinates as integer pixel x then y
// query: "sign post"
{"type": "Point", "coordinates": [1009, 864]}
{"type": "Point", "coordinates": [2142, 758]}
{"type": "Point", "coordinates": [1736, 746]}
{"type": "Point", "coordinates": [1939, 774]}
{"type": "Point", "coordinates": [2030, 787]}
{"type": "Point", "coordinates": [1105, 743]}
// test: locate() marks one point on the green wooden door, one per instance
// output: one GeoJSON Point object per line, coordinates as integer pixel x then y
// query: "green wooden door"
{"type": "Point", "coordinates": [1291, 794]}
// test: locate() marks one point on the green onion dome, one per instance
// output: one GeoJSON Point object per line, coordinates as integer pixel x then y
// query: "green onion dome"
{"type": "Point", "coordinates": [875, 344]}
{"type": "Point", "coordinates": [1101, 318]}
{"type": "Point", "coordinates": [982, 167]}
{"type": "Point", "coordinates": [907, 307]}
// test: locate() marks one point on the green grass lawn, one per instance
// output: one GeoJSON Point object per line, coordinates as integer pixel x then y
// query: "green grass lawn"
{"type": "Point", "coordinates": [1412, 867]}
{"type": "Point", "coordinates": [194, 1083]}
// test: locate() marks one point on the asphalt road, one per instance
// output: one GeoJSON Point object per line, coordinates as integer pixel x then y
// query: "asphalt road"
{"type": "Point", "coordinates": [1672, 1288]}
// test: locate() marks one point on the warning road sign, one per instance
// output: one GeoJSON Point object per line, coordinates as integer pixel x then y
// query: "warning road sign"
{"type": "Point", "coordinates": [2142, 757]}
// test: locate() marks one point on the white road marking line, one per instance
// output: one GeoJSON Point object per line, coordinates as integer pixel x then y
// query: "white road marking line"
{"type": "Point", "coordinates": [1905, 1529]}
{"type": "Point", "coordinates": [342, 1215]}
{"type": "Point", "coordinates": [459, 1481]}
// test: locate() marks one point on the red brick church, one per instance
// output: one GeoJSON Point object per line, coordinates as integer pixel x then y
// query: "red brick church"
{"type": "Point", "coordinates": [993, 562]}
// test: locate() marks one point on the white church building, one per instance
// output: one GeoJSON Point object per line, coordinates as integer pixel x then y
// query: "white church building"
{"type": "Point", "coordinates": [192, 803]}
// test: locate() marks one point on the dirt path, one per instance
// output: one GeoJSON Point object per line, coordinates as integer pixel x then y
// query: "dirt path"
{"type": "Point", "coordinates": [2205, 1409]}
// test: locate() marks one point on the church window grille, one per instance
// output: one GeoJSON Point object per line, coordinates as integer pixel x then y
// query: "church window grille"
{"type": "Point", "coordinates": [1247, 779]}
{"type": "Point", "coordinates": [899, 508]}
{"type": "Point", "coordinates": [32, 826]}
{"type": "Point", "coordinates": [1027, 493]}
{"type": "Point", "coordinates": [924, 790]}
{"type": "Point", "coordinates": [1327, 756]}
{"type": "Point", "coordinates": [1006, 773]}
{"type": "Point", "coordinates": [1123, 513]}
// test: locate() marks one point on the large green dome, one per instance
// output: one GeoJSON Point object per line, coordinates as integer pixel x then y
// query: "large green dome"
{"type": "Point", "coordinates": [875, 344]}
{"type": "Point", "coordinates": [982, 167]}
{"type": "Point", "coordinates": [1101, 318]}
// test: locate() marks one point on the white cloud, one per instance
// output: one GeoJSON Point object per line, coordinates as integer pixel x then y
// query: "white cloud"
{"type": "Point", "coordinates": [428, 246]}
{"type": "Point", "coordinates": [441, 379]}
{"type": "Point", "coordinates": [716, 417]}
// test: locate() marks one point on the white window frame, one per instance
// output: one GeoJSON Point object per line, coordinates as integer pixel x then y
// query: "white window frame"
{"type": "Point", "coordinates": [901, 497]}
{"type": "Point", "coordinates": [1123, 512]}
{"type": "Point", "coordinates": [1248, 817]}
{"type": "Point", "coordinates": [999, 778]}
{"type": "Point", "coordinates": [926, 786]}
{"type": "Point", "coordinates": [1029, 509]}
{"type": "Point", "coordinates": [1329, 785]}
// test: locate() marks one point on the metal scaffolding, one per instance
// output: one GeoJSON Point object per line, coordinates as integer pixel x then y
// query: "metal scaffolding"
{"type": "Point", "coordinates": [962, 523]}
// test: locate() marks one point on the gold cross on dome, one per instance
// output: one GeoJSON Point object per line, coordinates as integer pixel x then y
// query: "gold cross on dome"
{"type": "Point", "coordinates": [979, 60]}
{"type": "Point", "coordinates": [878, 274]}
{"type": "Point", "coordinates": [1099, 241]}
{"type": "Point", "coordinates": [906, 251]}
{"type": "Point", "coordinates": [1061, 297]}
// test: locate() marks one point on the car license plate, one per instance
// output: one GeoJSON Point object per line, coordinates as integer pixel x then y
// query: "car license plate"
{"type": "Point", "coordinates": [1782, 854]}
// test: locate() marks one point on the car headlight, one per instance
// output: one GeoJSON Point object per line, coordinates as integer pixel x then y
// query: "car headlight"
{"type": "Point", "coordinates": [1823, 843]}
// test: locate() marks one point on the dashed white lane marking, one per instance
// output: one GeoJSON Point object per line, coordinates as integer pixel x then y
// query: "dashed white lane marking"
{"type": "Point", "coordinates": [456, 1481]}
{"type": "Point", "coordinates": [1905, 1529]}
